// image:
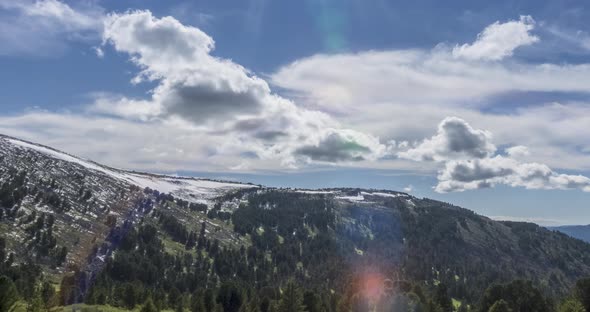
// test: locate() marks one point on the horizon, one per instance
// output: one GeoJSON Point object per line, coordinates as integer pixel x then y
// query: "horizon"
{"type": "Point", "coordinates": [485, 106]}
{"type": "Point", "coordinates": [279, 182]}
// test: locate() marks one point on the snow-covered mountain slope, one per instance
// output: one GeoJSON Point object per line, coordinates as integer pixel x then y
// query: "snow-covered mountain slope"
{"type": "Point", "coordinates": [58, 208]}
{"type": "Point", "coordinates": [190, 189]}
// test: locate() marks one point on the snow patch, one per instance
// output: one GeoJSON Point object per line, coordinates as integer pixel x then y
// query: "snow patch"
{"type": "Point", "coordinates": [356, 198]}
{"type": "Point", "coordinates": [383, 194]}
{"type": "Point", "coordinates": [314, 192]}
{"type": "Point", "coordinates": [190, 189]}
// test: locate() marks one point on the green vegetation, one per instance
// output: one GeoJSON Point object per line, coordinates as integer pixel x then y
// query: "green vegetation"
{"type": "Point", "coordinates": [272, 250]}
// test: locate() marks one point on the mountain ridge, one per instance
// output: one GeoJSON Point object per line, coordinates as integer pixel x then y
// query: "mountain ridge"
{"type": "Point", "coordinates": [325, 238]}
{"type": "Point", "coordinates": [581, 232]}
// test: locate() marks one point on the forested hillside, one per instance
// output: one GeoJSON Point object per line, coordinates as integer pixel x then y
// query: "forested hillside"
{"type": "Point", "coordinates": [77, 232]}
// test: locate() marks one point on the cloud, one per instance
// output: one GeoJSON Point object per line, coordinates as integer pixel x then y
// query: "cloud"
{"type": "Point", "coordinates": [455, 139]}
{"type": "Point", "coordinates": [518, 151]}
{"type": "Point", "coordinates": [44, 27]}
{"type": "Point", "coordinates": [192, 83]}
{"type": "Point", "coordinates": [577, 38]}
{"type": "Point", "coordinates": [400, 94]}
{"type": "Point", "coordinates": [469, 162]}
{"type": "Point", "coordinates": [499, 40]}
{"type": "Point", "coordinates": [418, 77]}
{"type": "Point", "coordinates": [120, 106]}
{"type": "Point", "coordinates": [464, 175]}
{"type": "Point", "coordinates": [341, 146]}
{"type": "Point", "coordinates": [55, 10]}
{"type": "Point", "coordinates": [220, 97]}
{"type": "Point", "coordinates": [99, 52]}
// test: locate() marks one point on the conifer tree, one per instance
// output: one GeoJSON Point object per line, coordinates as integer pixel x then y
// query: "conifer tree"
{"type": "Point", "coordinates": [292, 299]}
{"type": "Point", "coordinates": [149, 306]}
{"type": "Point", "coordinates": [8, 293]}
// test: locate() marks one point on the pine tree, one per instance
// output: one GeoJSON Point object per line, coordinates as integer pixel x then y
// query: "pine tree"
{"type": "Point", "coordinates": [149, 306]}
{"type": "Point", "coordinates": [198, 301]}
{"type": "Point", "coordinates": [292, 299]}
{"type": "Point", "coordinates": [230, 297]}
{"type": "Point", "coordinates": [8, 293]}
{"type": "Point", "coordinates": [500, 306]}
{"type": "Point", "coordinates": [252, 306]}
{"type": "Point", "coordinates": [582, 292]}
{"type": "Point", "coordinates": [442, 298]}
{"type": "Point", "coordinates": [48, 295]}
{"type": "Point", "coordinates": [129, 296]}
{"type": "Point", "coordinates": [571, 305]}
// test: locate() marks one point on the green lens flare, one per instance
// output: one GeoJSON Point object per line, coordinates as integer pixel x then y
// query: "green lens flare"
{"type": "Point", "coordinates": [330, 18]}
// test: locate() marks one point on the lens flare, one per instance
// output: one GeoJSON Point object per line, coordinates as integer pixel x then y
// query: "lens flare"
{"type": "Point", "coordinates": [330, 18]}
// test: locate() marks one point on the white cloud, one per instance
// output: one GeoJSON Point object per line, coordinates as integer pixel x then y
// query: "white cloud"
{"type": "Point", "coordinates": [351, 82]}
{"type": "Point", "coordinates": [409, 189]}
{"type": "Point", "coordinates": [455, 139]}
{"type": "Point", "coordinates": [399, 94]}
{"type": "Point", "coordinates": [499, 40]}
{"type": "Point", "coordinates": [221, 97]}
{"type": "Point", "coordinates": [342, 145]}
{"type": "Point", "coordinates": [99, 52]}
{"type": "Point", "coordinates": [470, 163]}
{"type": "Point", "coordinates": [55, 10]}
{"type": "Point", "coordinates": [518, 151]}
{"type": "Point", "coordinates": [578, 38]}
{"type": "Point", "coordinates": [44, 27]}
{"type": "Point", "coordinates": [471, 174]}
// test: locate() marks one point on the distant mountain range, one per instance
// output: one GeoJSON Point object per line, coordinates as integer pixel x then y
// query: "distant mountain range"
{"type": "Point", "coordinates": [577, 231]}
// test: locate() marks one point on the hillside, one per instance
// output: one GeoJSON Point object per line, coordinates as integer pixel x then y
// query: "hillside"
{"type": "Point", "coordinates": [577, 231]}
{"type": "Point", "coordinates": [98, 231]}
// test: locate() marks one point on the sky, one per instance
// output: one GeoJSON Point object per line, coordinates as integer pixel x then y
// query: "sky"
{"type": "Point", "coordinates": [481, 104]}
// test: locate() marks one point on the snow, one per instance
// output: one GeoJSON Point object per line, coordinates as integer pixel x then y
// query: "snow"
{"type": "Point", "coordinates": [358, 197]}
{"type": "Point", "coordinates": [313, 192]}
{"type": "Point", "coordinates": [383, 194]}
{"type": "Point", "coordinates": [191, 189]}
{"type": "Point", "coordinates": [361, 196]}
{"type": "Point", "coordinates": [58, 155]}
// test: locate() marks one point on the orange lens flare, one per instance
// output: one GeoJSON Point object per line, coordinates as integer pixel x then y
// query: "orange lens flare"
{"type": "Point", "coordinates": [372, 285]}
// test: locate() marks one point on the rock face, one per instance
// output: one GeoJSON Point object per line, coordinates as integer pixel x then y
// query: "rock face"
{"type": "Point", "coordinates": [69, 214]}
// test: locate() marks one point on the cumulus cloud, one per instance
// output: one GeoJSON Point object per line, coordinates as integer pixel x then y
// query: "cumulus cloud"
{"type": "Point", "coordinates": [455, 139]}
{"type": "Point", "coordinates": [469, 162]}
{"type": "Point", "coordinates": [193, 84]}
{"type": "Point", "coordinates": [499, 40]}
{"type": "Point", "coordinates": [336, 146]}
{"type": "Point", "coordinates": [220, 97]}
{"type": "Point", "coordinates": [464, 175]}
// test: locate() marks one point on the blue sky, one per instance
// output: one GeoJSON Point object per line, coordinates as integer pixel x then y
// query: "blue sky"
{"type": "Point", "coordinates": [481, 104]}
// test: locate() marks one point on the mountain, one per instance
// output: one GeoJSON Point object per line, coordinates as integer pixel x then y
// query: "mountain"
{"type": "Point", "coordinates": [577, 231]}
{"type": "Point", "coordinates": [106, 235]}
